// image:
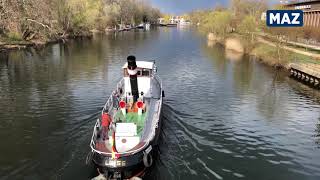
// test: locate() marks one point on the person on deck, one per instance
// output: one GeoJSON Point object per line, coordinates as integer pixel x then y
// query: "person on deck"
{"type": "Point", "coordinates": [105, 122]}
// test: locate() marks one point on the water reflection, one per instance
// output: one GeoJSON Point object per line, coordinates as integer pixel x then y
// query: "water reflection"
{"type": "Point", "coordinates": [317, 135]}
{"type": "Point", "coordinates": [224, 116]}
{"type": "Point", "coordinates": [218, 58]}
{"type": "Point", "coordinates": [233, 55]}
{"type": "Point", "coordinates": [266, 91]}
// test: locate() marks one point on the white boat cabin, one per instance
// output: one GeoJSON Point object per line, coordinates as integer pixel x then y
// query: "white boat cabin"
{"type": "Point", "coordinates": [144, 72]}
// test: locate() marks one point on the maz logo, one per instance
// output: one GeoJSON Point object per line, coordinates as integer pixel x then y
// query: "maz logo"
{"type": "Point", "coordinates": [285, 18]}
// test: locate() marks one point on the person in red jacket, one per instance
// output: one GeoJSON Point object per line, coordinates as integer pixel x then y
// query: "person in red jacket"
{"type": "Point", "coordinates": [105, 122]}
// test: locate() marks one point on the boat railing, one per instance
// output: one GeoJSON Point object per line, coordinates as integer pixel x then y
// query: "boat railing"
{"type": "Point", "coordinates": [94, 136]}
{"type": "Point", "coordinates": [108, 108]}
{"type": "Point", "coordinates": [159, 82]}
{"type": "Point", "coordinates": [109, 104]}
{"type": "Point", "coordinates": [157, 78]}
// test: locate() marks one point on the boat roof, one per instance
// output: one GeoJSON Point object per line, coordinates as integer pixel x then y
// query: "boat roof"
{"type": "Point", "coordinates": [142, 64]}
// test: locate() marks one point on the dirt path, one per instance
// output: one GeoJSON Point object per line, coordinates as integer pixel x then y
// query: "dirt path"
{"type": "Point", "coordinates": [314, 55]}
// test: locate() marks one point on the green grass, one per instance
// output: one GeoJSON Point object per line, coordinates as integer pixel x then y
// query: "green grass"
{"type": "Point", "coordinates": [14, 36]}
{"type": "Point", "coordinates": [303, 58]}
{"type": "Point", "coordinates": [272, 39]}
{"type": "Point", "coordinates": [303, 48]}
{"type": "Point", "coordinates": [269, 54]}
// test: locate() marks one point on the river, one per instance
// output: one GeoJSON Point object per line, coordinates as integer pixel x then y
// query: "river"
{"type": "Point", "coordinates": [225, 116]}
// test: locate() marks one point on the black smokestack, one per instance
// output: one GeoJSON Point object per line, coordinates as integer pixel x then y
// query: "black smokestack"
{"type": "Point", "coordinates": [132, 66]}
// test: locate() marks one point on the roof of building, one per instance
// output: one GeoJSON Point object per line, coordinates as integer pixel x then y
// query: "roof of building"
{"type": "Point", "coordinates": [142, 64]}
{"type": "Point", "coordinates": [296, 2]}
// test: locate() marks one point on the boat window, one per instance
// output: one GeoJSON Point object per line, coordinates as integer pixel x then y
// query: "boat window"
{"type": "Point", "coordinates": [145, 72]}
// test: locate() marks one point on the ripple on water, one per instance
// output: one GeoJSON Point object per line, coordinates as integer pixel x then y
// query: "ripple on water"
{"type": "Point", "coordinates": [221, 119]}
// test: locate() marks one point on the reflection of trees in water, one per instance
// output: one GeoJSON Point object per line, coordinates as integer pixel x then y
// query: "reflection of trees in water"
{"type": "Point", "coordinates": [33, 85]}
{"type": "Point", "coordinates": [127, 39]}
{"type": "Point", "coordinates": [268, 101]}
{"type": "Point", "coordinates": [4, 63]}
{"type": "Point", "coordinates": [233, 55]}
{"type": "Point", "coordinates": [271, 95]}
{"type": "Point", "coordinates": [243, 74]}
{"type": "Point", "coordinates": [314, 95]}
{"type": "Point", "coordinates": [4, 58]}
{"type": "Point", "coordinates": [31, 73]}
{"type": "Point", "coordinates": [304, 90]}
{"type": "Point", "coordinates": [250, 76]}
{"type": "Point", "coordinates": [78, 56]}
{"type": "Point", "coordinates": [214, 53]}
{"type": "Point", "coordinates": [223, 61]}
{"type": "Point", "coordinates": [318, 132]}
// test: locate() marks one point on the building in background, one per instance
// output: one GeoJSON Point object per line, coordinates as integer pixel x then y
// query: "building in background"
{"type": "Point", "coordinates": [175, 19]}
{"type": "Point", "coordinates": [311, 11]}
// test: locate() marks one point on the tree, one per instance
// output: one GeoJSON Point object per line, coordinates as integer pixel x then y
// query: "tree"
{"type": "Point", "coordinates": [248, 26]}
{"type": "Point", "coordinates": [166, 18]}
{"type": "Point", "coordinates": [242, 8]}
{"type": "Point", "coordinates": [112, 12]}
{"type": "Point", "coordinates": [48, 19]}
{"type": "Point", "coordinates": [218, 22]}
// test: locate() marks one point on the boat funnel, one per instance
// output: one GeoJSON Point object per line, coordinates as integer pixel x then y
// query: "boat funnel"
{"type": "Point", "coordinates": [132, 71]}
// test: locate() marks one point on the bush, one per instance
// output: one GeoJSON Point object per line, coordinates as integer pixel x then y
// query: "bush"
{"type": "Point", "coordinates": [248, 25]}
{"type": "Point", "coordinates": [14, 36]}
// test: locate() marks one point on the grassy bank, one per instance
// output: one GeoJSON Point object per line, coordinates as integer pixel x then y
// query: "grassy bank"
{"type": "Point", "coordinates": [279, 57]}
{"type": "Point", "coordinates": [239, 26]}
{"type": "Point", "coordinates": [276, 56]}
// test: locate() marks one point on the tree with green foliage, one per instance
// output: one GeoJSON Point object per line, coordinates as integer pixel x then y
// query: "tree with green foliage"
{"type": "Point", "coordinates": [218, 22]}
{"type": "Point", "coordinates": [49, 19]}
{"type": "Point", "coordinates": [198, 17]}
{"type": "Point", "coordinates": [248, 26]}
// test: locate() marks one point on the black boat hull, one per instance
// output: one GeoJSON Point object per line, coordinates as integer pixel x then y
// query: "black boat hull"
{"type": "Point", "coordinates": [131, 165]}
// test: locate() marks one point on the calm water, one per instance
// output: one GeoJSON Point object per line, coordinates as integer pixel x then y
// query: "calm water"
{"type": "Point", "coordinates": [224, 116]}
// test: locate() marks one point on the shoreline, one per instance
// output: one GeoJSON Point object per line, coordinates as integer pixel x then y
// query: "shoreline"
{"type": "Point", "coordinates": [9, 45]}
{"type": "Point", "coordinates": [22, 44]}
{"type": "Point", "coordinates": [265, 52]}
{"type": "Point", "coordinates": [299, 65]}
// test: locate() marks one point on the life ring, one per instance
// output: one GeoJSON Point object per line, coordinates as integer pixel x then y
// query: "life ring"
{"type": "Point", "coordinates": [147, 160]}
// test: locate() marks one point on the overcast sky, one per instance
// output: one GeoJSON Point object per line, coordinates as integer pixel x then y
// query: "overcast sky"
{"type": "Point", "coordinates": [179, 7]}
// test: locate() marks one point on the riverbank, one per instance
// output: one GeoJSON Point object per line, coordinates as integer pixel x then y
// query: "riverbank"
{"type": "Point", "coordinates": [303, 65]}
{"type": "Point", "coordinates": [281, 56]}
{"type": "Point", "coordinates": [37, 23]}
{"type": "Point", "coordinates": [270, 53]}
{"type": "Point", "coordinates": [7, 44]}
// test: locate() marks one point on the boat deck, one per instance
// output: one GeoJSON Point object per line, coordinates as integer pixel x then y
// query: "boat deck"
{"type": "Point", "coordinates": [132, 117]}
{"type": "Point", "coordinates": [146, 122]}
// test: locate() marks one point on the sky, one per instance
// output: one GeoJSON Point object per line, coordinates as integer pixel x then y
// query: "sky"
{"type": "Point", "coordinates": [179, 7]}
